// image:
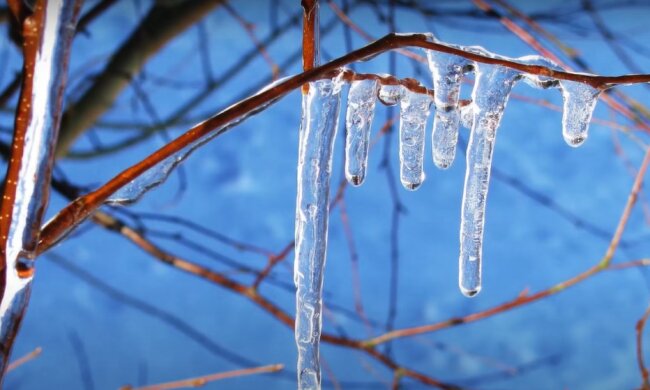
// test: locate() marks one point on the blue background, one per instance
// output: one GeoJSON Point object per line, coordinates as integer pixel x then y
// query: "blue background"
{"type": "Point", "coordinates": [243, 184]}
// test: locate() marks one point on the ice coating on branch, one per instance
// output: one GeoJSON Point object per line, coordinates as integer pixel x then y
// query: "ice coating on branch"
{"type": "Point", "coordinates": [320, 113]}
{"type": "Point", "coordinates": [538, 81]}
{"type": "Point", "coordinates": [36, 131]}
{"type": "Point", "coordinates": [414, 111]}
{"type": "Point", "coordinates": [579, 104]}
{"type": "Point", "coordinates": [490, 95]}
{"type": "Point", "coordinates": [358, 120]}
{"type": "Point", "coordinates": [390, 95]}
{"type": "Point", "coordinates": [447, 72]}
{"type": "Point", "coordinates": [159, 173]}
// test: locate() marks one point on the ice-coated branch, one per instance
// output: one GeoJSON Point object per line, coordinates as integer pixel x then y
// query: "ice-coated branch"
{"type": "Point", "coordinates": [81, 208]}
{"type": "Point", "coordinates": [47, 35]}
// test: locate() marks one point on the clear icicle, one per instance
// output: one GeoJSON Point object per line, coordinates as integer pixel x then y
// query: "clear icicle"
{"type": "Point", "coordinates": [414, 111]}
{"type": "Point", "coordinates": [390, 95]}
{"type": "Point", "coordinates": [360, 112]}
{"type": "Point", "coordinates": [490, 95]}
{"type": "Point", "coordinates": [317, 134]}
{"type": "Point", "coordinates": [447, 71]}
{"type": "Point", "coordinates": [579, 104]}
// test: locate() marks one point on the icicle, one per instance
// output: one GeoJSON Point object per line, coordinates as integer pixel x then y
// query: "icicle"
{"type": "Point", "coordinates": [490, 95]}
{"type": "Point", "coordinates": [317, 134]}
{"type": "Point", "coordinates": [447, 71]}
{"type": "Point", "coordinates": [579, 104]}
{"type": "Point", "coordinates": [390, 95]}
{"type": "Point", "coordinates": [360, 112]}
{"type": "Point", "coordinates": [414, 111]}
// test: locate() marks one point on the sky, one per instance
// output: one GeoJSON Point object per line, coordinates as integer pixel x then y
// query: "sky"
{"type": "Point", "coordinates": [106, 314]}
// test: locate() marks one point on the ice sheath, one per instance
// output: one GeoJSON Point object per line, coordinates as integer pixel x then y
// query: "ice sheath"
{"type": "Point", "coordinates": [320, 113]}
{"type": "Point", "coordinates": [47, 35]}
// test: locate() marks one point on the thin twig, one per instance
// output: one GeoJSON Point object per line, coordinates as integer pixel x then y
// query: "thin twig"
{"type": "Point", "coordinates": [203, 380]}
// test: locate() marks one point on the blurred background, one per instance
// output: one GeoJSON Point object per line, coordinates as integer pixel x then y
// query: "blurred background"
{"type": "Point", "coordinates": [107, 314]}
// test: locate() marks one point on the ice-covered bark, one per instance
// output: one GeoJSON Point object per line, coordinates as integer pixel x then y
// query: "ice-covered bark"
{"type": "Point", "coordinates": [47, 34]}
{"type": "Point", "coordinates": [320, 113]}
{"type": "Point", "coordinates": [414, 111]}
{"type": "Point", "coordinates": [358, 121]}
{"type": "Point", "coordinates": [490, 95]}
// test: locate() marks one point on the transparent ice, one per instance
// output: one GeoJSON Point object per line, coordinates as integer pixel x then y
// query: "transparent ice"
{"type": "Point", "coordinates": [390, 95]}
{"type": "Point", "coordinates": [489, 97]}
{"type": "Point", "coordinates": [358, 121]}
{"type": "Point", "coordinates": [579, 104]}
{"type": "Point", "coordinates": [48, 78]}
{"type": "Point", "coordinates": [320, 113]}
{"type": "Point", "coordinates": [447, 71]}
{"type": "Point", "coordinates": [414, 112]}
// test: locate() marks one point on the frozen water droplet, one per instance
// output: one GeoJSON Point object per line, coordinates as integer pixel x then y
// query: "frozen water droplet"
{"type": "Point", "coordinates": [389, 95]}
{"type": "Point", "coordinates": [414, 111]}
{"type": "Point", "coordinates": [579, 104]}
{"type": "Point", "coordinates": [447, 72]}
{"type": "Point", "coordinates": [360, 113]}
{"type": "Point", "coordinates": [490, 96]}
{"type": "Point", "coordinates": [317, 134]}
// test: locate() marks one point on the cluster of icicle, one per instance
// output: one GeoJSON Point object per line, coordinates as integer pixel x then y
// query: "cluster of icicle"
{"type": "Point", "coordinates": [321, 107]}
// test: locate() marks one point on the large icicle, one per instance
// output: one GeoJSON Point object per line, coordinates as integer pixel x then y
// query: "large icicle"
{"type": "Point", "coordinates": [579, 104]}
{"type": "Point", "coordinates": [414, 111]}
{"type": "Point", "coordinates": [490, 95]}
{"type": "Point", "coordinates": [317, 134]}
{"type": "Point", "coordinates": [360, 112]}
{"type": "Point", "coordinates": [447, 71]}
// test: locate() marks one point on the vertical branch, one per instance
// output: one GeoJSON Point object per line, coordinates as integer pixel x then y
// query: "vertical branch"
{"type": "Point", "coordinates": [310, 37]}
{"type": "Point", "coordinates": [640, 325]}
{"type": "Point", "coordinates": [47, 34]}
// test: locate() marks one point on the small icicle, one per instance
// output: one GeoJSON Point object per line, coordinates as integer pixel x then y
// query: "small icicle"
{"type": "Point", "coordinates": [579, 104]}
{"type": "Point", "coordinates": [360, 112]}
{"type": "Point", "coordinates": [389, 95]}
{"type": "Point", "coordinates": [317, 134]}
{"type": "Point", "coordinates": [414, 111]}
{"type": "Point", "coordinates": [490, 95]}
{"type": "Point", "coordinates": [447, 71]}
